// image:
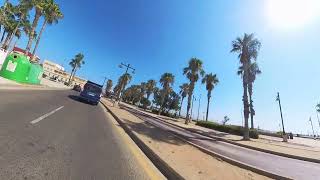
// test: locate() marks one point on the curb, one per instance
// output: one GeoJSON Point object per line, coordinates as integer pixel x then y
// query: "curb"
{"type": "Point", "coordinates": [229, 160]}
{"type": "Point", "coordinates": [164, 168]}
{"type": "Point", "coordinates": [241, 145]}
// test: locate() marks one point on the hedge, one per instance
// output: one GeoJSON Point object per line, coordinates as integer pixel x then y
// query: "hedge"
{"type": "Point", "coordinates": [231, 129]}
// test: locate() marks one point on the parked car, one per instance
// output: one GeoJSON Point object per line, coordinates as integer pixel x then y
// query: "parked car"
{"type": "Point", "coordinates": [91, 93]}
{"type": "Point", "coordinates": [77, 88]}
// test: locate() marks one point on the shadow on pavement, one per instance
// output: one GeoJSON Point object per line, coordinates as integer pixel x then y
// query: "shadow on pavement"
{"type": "Point", "coordinates": [153, 132]}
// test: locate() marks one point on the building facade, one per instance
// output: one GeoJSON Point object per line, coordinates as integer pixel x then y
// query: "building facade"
{"type": "Point", "coordinates": [57, 73]}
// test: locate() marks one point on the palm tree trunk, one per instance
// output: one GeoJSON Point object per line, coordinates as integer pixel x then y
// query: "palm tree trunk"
{"type": "Point", "coordinates": [5, 44]}
{"type": "Point", "coordinates": [245, 107]}
{"type": "Point", "coordinates": [34, 25]}
{"type": "Point", "coordinates": [181, 106]}
{"type": "Point", "coordinates": [251, 104]}
{"type": "Point", "coordinates": [39, 36]}
{"type": "Point", "coordinates": [2, 37]}
{"type": "Point", "coordinates": [190, 92]}
{"type": "Point", "coordinates": [208, 105]}
{"type": "Point", "coordinates": [73, 69]}
{"type": "Point", "coordinates": [15, 30]}
{"type": "Point", "coordinates": [162, 103]}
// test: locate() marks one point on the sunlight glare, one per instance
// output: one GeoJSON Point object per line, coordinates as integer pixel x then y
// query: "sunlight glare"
{"type": "Point", "coordinates": [292, 14]}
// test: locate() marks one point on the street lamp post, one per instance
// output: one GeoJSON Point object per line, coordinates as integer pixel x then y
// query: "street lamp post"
{"type": "Point", "coordinates": [127, 66]}
{"type": "Point", "coordinates": [312, 127]}
{"type": "Point", "coordinates": [283, 131]}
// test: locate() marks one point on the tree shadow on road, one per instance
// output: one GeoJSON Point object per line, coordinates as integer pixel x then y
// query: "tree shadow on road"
{"type": "Point", "coordinates": [155, 133]}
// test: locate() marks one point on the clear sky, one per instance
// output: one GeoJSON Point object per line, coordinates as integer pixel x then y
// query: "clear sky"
{"type": "Point", "coordinates": [161, 36]}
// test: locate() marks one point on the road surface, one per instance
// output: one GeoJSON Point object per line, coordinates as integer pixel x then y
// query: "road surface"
{"type": "Point", "coordinates": [50, 135]}
{"type": "Point", "coordinates": [285, 167]}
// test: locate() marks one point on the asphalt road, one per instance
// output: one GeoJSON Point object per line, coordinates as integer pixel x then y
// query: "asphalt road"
{"type": "Point", "coordinates": [75, 141]}
{"type": "Point", "coordinates": [286, 167]}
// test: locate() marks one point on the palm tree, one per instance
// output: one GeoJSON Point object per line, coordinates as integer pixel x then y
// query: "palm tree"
{"type": "Point", "coordinates": [183, 92]}
{"type": "Point", "coordinates": [166, 81]}
{"type": "Point", "coordinates": [76, 64]}
{"type": "Point", "coordinates": [211, 81]}
{"type": "Point", "coordinates": [16, 17]}
{"type": "Point", "coordinates": [39, 6]}
{"type": "Point", "coordinates": [253, 72]}
{"type": "Point", "coordinates": [123, 81]}
{"type": "Point", "coordinates": [52, 14]}
{"type": "Point", "coordinates": [247, 48]}
{"type": "Point", "coordinates": [193, 71]}
{"type": "Point", "coordinates": [109, 85]}
{"type": "Point", "coordinates": [151, 84]}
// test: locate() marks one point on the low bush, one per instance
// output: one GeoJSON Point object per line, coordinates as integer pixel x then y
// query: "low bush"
{"type": "Point", "coordinates": [231, 129]}
{"type": "Point", "coordinates": [155, 111]}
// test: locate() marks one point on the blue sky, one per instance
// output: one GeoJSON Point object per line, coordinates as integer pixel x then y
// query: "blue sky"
{"type": "Point", "coordinates": [161, 36]}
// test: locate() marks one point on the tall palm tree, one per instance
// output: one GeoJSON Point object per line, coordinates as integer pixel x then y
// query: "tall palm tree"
{"type": "Point", "coordinates": [151, 84]}
{"type": "Point", "coordinates": [109, 85]}
{"type": "Point", "coordinates": [8, 20]}
{"type": "Point", "coordinates": [253, 72]}
{"type": "Point", "coordinates": [22, 14]}
{"type": "Point", "coordinates": [123, 81]}
{"type": "Point", "coordinates": [192, 71]}
{"type": "Point", "coordinates": [247, 49]}
{"type": "Point", "coordinates": [76, 64]}
{"type": "Point", "coordinates": [52, 14]}
{"type": "Point", "coordinates": [39, 6]}
{"type": "Point", "coordinates": [166, 80]}
{"type": "Point", "coordinates": [211, 80]}
{"type": "Point", "coordinates": [183, 92]}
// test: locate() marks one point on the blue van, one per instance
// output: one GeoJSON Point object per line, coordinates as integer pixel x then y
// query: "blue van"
{"type": "Point", "coordinates": [91, 93]}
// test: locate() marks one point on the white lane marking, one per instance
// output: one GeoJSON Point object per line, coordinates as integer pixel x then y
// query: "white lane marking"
{"type": "Point", "coordinates": [46, 115]}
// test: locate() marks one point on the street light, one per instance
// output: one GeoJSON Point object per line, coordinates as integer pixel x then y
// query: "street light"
{"type": "Point", "coordinates": [283, 131]}
{"type": "Point", "coordinates": [314, 136]}
{"type": "Point", "coordinates": [127, 66]}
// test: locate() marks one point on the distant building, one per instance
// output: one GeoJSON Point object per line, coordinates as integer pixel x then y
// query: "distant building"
{"type": "Point", "coordinates": [57, 73]}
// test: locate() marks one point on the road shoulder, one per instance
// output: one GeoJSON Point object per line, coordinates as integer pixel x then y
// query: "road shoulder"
{"type": "Point", "coordinates": [140, 157]}
{"type": "Point", "coordinates": [188, 161]}
{"type": "Point", "coordinates": [290, 150]}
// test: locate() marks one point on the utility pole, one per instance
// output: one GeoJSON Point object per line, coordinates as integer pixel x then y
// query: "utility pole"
{"type": "Point", "coordinates": [127, 66]}
{"type": "Point", "coordinates": [278, 99]}
{"type": "Point", "coordinates": [314, 136]}
{"type": "Point", "coordinates": [199, 108]}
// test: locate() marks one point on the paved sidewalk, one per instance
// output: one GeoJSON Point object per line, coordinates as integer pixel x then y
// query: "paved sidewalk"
{"type": "Point", "coordinates": [12, 85]}
{"type": "Point", "coordinates": [187, 160]}
{"type": "Point", "coordinates": [264, 142]}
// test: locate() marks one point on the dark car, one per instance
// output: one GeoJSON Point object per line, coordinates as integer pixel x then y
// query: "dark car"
{"type": "Point", "coordinates": [91, 93]}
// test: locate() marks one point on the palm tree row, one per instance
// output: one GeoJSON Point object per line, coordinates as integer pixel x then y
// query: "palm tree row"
{"type": "Point", "coordinates": [247, 48]}
{"type": "Point", "coordinates": [15, 18]}
{"type": "Point", "coordinates": [165, 97]}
